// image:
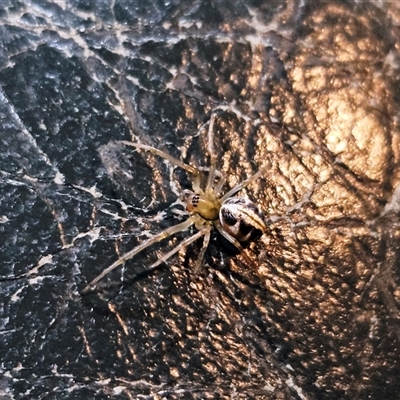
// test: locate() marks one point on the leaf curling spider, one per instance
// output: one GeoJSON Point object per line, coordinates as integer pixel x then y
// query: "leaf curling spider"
{"type": "Point", "coordinates": [237, 219]}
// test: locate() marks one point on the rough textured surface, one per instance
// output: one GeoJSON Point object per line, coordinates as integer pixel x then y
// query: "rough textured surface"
{"type": "Point", "coordinates": [310, 87]}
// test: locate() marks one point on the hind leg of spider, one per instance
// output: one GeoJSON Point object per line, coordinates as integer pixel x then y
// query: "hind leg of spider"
{"type": "Point", "coordinates": [203, 232]}
{"type": "Point", "coordinates": [147, 243]}
{"type": "Point", "coordinates": [206, 242]}
{"type": "Point", "coordinates": [232, 240]}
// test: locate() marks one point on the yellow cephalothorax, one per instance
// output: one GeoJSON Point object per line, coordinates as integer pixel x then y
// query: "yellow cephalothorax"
{"type": "Point", "coordinates": [206, 206]}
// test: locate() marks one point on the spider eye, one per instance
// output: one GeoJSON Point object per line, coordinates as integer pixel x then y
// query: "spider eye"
{"type": "Point", "coordinates": [242, 219]}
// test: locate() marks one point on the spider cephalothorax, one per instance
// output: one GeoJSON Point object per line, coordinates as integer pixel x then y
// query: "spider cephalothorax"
{"type": "Point", "coordinates": [237, 219]}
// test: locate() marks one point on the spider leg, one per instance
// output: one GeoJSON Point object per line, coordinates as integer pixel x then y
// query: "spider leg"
{"type": "Point", "coordinates": [243, 184]}
{"type": "Point", "coordinates": [206, 241]}
{"type": "Point", "coordinates": [213, 156]}
{"type": "Point", "coordinates": [182, 245]}
{"type": "Point", "coordinates": [164, 155]}
{"type": "Point", "coordinates": [219, 185]}
{"type": "Point", "coordinates": [155, 239]}
{"type": "Point", "coordinates": [217, 174]}
{"type": "Point", "coordinates": [232, 240]}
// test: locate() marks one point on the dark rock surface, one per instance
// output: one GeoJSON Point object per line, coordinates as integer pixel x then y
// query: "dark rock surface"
{"type": "Point", "coordinates": [310, 88]}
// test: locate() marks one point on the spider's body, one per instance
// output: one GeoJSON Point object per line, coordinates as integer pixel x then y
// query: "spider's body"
{"type": "Point", "coordinates": [237, 219]}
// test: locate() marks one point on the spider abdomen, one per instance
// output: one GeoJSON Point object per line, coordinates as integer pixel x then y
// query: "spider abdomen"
{"type": "Point", "coordinates": [242, 219]}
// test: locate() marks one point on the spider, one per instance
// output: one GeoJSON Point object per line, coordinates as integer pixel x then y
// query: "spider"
{"type": "Point", "coordinates": [237, 219]}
